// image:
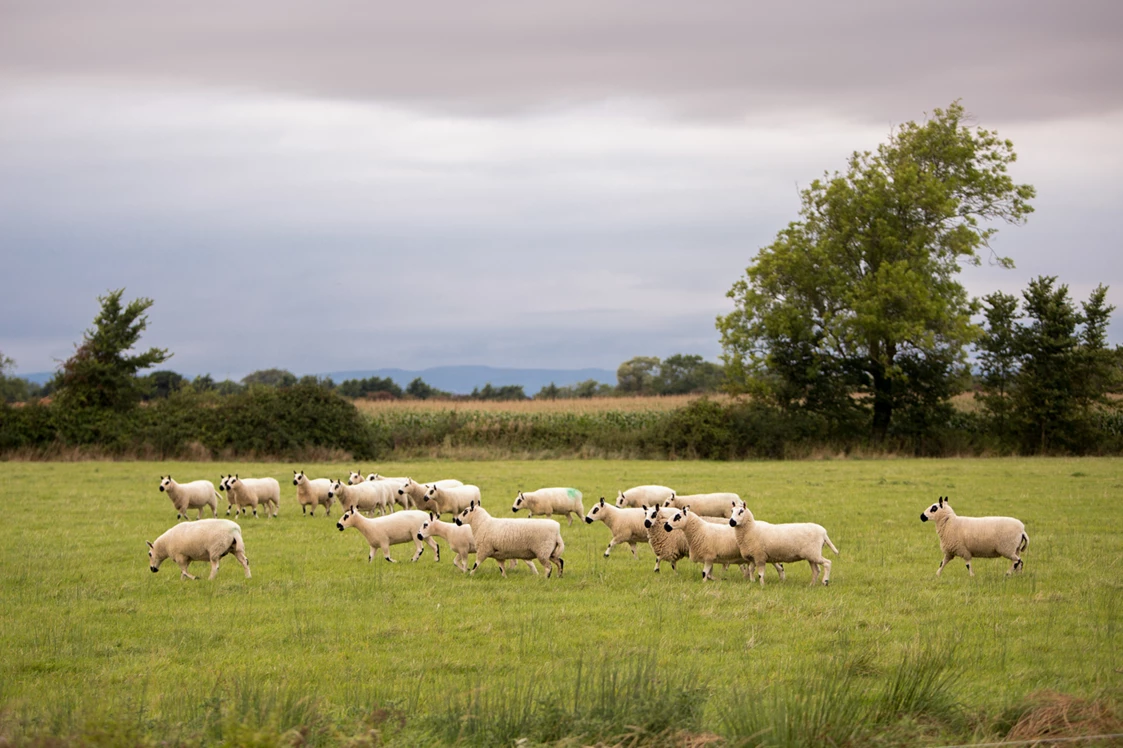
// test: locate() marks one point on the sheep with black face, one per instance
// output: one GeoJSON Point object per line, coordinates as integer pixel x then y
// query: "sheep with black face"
{"type": "Point", "coordinates": [976, 537]}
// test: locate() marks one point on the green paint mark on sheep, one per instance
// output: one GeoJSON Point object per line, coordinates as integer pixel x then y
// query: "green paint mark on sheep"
{"type": "Point", "coordinates": [572, 493]}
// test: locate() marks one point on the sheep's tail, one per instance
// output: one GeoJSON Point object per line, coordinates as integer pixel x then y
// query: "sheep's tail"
{"type": "Point", "coordinates": [827, 538]}
{"type": "Point", "coordinates": [1024, 542]}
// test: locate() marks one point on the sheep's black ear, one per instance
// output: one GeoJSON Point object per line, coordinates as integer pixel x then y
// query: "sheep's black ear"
{"type": "Point", "coordinates": [149, 544]}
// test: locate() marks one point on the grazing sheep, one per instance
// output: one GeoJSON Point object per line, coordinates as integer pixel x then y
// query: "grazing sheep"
{"type": "Point", "coordinates": [249, 492]}
{"type": "Point", "coordinates": [460, 540]}
{"type": "Point", "coordinates": [503, 539]}
{"type": "Point", "coordinates": [765, 543]}
{"type": "Point", "coordinates": [411, 493]}
{"type": "Point", "coordinates": [364, 496]}
{"type": "Point", "coordinates": [194, 495]}
{"type": "Point", "coordinates": [452, 500]}
{"type": "Point", "coordinates": [709, 543]}
{"type": "Point", "coordinates": [202, 540]}
{"type": "Point", "coordinates": [707, 504]}
{"type": "Point", "coordinates": [981, 537]}
{"type": "Point", "coordinates": [671, 546]}
{"type": "Point", "coordinates": [312, 492]}
{"type": "Point", "coordinates": [626, 524]}
{"type": "Point", "coordinates": [383, 532]}
{"type": "Point", "coordinates": [638, 496]}
{"type": "Point", "coordinates": [549, 501]}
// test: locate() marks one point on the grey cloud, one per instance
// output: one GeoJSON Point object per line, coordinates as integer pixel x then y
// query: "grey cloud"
{"type": "Point", "coordinates": [867, 60]}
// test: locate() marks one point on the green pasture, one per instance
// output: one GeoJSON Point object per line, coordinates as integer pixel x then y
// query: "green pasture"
{"type": "Point", "coordinates": [321, 646]}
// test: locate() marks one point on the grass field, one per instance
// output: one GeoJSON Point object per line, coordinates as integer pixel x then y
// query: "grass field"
{"type": "Point", "coordinates": [320, 647]}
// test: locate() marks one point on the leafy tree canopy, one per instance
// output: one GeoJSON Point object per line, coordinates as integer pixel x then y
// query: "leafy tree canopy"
{"type": "Point", "coordinates": [270, 378]}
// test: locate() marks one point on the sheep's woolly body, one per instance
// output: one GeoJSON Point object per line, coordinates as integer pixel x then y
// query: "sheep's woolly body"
{"type": "Point", "coordinates": [194, 495]}
{"type": "Point", "coordinates": [202, 540]}
{"type": "Point", "coordinates": [668, 546]}
{"type": "Point", "coordinates": [548, 501]}
{"type": "Point", "coordinates": [459, 538]}
{"type": "Point", "coordinates": [977, 537]}
{"type": "Point", "coordinates": [522, 539]}
{"type": "Point", "coordinates": [449, 500]}
{"type": "Point", "coordinates": [312, 493]}
{"type": "Point", "coordinates": [707, 504]}
{"type": "Point", "coordinates": [366, 497]}
{"type": "Point", "coordinates": [249, 492]}
{"type": "Point", "coordinates": [396, 497]}
{"type": "Point", "coordinates": [626, 525]}
{"type": "Point", "coordinates": [392, 529]}
{"type": "Point", "coordinates": [411, 493]}
{"type": "Point", "coordinates": [640, 496]}
{"type": "Point", "coordinates": [709, 543]}
{"type": "Point", "coordinates": [764, 543]}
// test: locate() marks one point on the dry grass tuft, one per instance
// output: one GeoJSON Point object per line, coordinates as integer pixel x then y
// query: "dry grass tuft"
{"type": "Point", "coordinates": [1059, 715]}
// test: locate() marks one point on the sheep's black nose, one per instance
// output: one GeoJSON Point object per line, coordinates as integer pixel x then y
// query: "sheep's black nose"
{"type": "Point", "coordinates": [588, 520]}
{"type": "Point", "coordinates": [161, 488]}
{"type": "Point", "coordinates": [667, 526]}
{"type": "Point", "coordinates": [647, 523]}
{"type": "Point", "coordinates": [732, 523]}
{"type": "Point", "coordinates": [923, 517]}
{"type": "Point", "coordinates": [339, 525]}
{"type": "Point", "coordinates": [420, 536]}
{"type": "Point", "coordinates": [154, 569]}
{"type": "Point", "coordinates": [294, 483]}
{"type": "Point", "coordinates": [458, 522]}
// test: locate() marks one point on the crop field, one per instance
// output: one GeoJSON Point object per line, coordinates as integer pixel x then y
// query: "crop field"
{"type": "Point", "coordinates": [321, 647]}
{"type": "Point", "coordinates": [657, 403]}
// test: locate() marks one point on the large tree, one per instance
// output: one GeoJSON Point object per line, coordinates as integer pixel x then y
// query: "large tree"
{"type": "Point", "coordinates": [857, 304]}
{"type": "Point", "coordinates": [102, 373]}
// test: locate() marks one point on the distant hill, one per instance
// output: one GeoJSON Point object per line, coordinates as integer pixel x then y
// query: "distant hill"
{"type": "Point", "coordinates": [461, 380]}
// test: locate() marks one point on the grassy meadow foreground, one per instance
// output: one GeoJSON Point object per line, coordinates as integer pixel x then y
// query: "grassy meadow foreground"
{"type": "Point", "coordinates": [320, 647]}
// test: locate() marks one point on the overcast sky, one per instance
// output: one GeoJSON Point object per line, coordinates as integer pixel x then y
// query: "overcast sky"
{"type": "Point", "coordinates": [349, 185]}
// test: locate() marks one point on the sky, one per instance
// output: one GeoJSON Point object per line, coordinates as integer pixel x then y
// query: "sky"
{"type": "Point", "coordinates": [346, 185]}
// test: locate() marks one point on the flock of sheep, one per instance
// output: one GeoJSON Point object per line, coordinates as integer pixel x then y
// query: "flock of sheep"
{"type": "Point", "coordinates": [708, 529]}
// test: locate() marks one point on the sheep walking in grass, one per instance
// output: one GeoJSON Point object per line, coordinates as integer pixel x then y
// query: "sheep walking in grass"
{"type": "Point", "coordinates": [460, 540]}
{"type": "Point", "coordinates": [410, 493]}
{"type": "Point", "coordinates": [186, 496]}
{"type": "Point", "coordinates": [710, 543]}
{"type": "Point", "coordinates": [250, 492]}
{"type": "Point", "coordinates": [548, 501]}
{"type": "Point", "coordinates": [626, 525]}
{"type": "Point", "coordinates": [976, 537]}
{"type": "Point", "coordinates": [639, 496]}
{"type": "Point", "coordinates": [312, 492]}
{"type": "Point", "coordinates": [383, 532]}
{"type": "Point", "coordinates": [765, 543]}
{"type": "Point", "coordinates": [671, 545]}
{"type": "Point", "coordinates": [504, 539]}
{"type": "Point", "coordinates": [202, 540]}
{"type": "Point", "coordinates": [449, 500]}
{"type": "Point", "coordinates": [366, 497]}
{"type": "Point", "coordinates": [707, 504]}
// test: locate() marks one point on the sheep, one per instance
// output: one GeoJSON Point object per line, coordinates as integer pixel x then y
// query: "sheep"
{"type": "Point", "coordinates": [706, 504]}
{"type": "Point", "coordinates": [671, 546]}
{"type": "Point", "coordinates": [765, 543]}
{"type": "Point", "coordinates": [502, 539]}
{"type": "Point", "coordinates": [709, 543]}
{"type": "Point", "coordinates": [638, 496]}
{"type": "Point", "coordinates": [982, 537]}
{"type": "Point", "coordinates": [396, 496]}
{"type": "Point", "coordinates": [363, 496]}
{"type": "Point", "coordinates": [549, 501]}
{"type": "Point", "coordinates": [626, 524]}
{"type": "Point", "coordinates": [312, 492]}
{"type": "Point", "coordinates": [460, 540]}
{"type": "Point", "coordinates": [411, 493]}
{"type": "Point", "coordinates": [354, 477]}
{"type": "Point", "coordinates": [249, 492]}
{"type": "Point", "coordinates": [202, 540]}
{"type": "Point", "coordinates": [194, 495]}
{"type": "Point", "coordinates": [454, 499]}
{"type": "Point", "coordinates": [384, 532]}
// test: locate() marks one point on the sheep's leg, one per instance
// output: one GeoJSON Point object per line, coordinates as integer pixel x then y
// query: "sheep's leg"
{"type": "Point", "coordinates": [480, 558]}
{"type": "Point", "coordinates": [706, 569]}
{"type": "Point", "coordinates": [947, 557]}
{"type": "Point", "coordinates": [436, 548]}
{"type": "Point", "coordinates": [214, 568]}
{"type": "Point", "coordinates": [183, 564]}
{"type": "Point", "coordinates": [1015, 564]}
{"type": "Point", "coordinates": [780, 571]}
{"type": "Point", "coordinates": [461, 561]}
{"type": "Point", "coordinates": [657, 560]}
{"type": "Point", "coordinates": [969, 569]}
{"type": "Point", "coordinates": [748, 570]}
{"type": "Point", "coordinates": [633, 547]}
{"type": "Point", "coordinates": [611, 545]}
{"type": "Point", "coordinates": [826, 562]}
{"type": "Point", "coordinates": [385, 545]}
{"type": "Point", "coordinates": [240, 554]}
{"type": "Point", "coordinates": [570, 515]}
{"type": "Point", "coordinates": [419, 548]}
{"type": "Point", "coordinates": [548, 564]}
{"type": "Point", "coordinates": [530, 563]}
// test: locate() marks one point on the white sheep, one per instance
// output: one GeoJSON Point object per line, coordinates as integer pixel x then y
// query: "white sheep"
{"type": "Point", "coordinates": [365, 497]}
{"type": "Point", "coordinates": [547, 501]}
{"type": "Point", "coordinates": [202, 540]}
{"type": "Point", "coordinates": [504, 539]}
{"type": "Point", "coordinates": [765, 543]}
{"type": "Point", "coordinates": [626, 525]}
{"type": "Point", "coordinates": [460, 541]}
{"type": "Point", "coordinates": [194, 495]}
{"type": "Point", "coordinates": [709, 542]}
{"type": "Point", "coordinates": [383, 532]}
{"type": "Point", "coordinates": [402, 500]}
{"type": "Point", "coordinates": [411, 493]}
{"type": "Point", "coordinates": [981, 537]}
{"type": "Point", "coordinates": [706, 504]}
{"type": "Point", "coordinates": [312, 492]}
{"type": "Point", "coordinates": [355, 477]}
{"type": "Point", "coordinates": [249, 492]}
{"type": "Point", "coordinates": [639, 496]}
{"type": "Point", "coordinates": [450, 500]}
{"type": "Point", "coordinates": [671, 546]}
